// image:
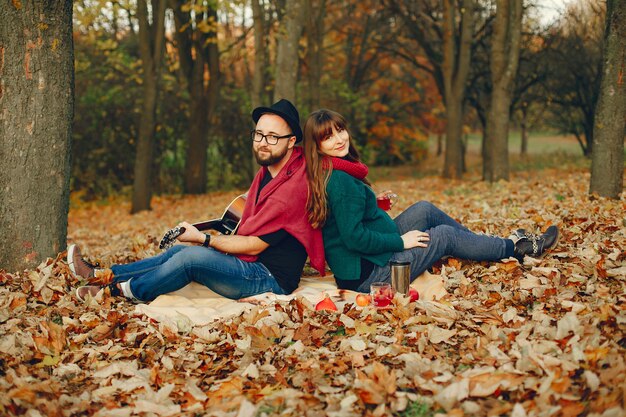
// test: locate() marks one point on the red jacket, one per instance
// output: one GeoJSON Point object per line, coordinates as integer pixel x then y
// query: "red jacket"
{"type": "Point", "coordinates": [282, 205]}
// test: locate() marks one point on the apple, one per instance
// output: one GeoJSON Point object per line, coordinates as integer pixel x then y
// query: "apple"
{"type": "Point", "coordinates": [326, 304]}
{"type": "Point", "coordinates": [414, 294]}
{"type": "Point", "coordinates": [363, 300]}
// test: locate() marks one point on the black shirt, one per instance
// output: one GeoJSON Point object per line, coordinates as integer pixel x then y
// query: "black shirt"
{"type": "Point", "coordinates": [285, 256]}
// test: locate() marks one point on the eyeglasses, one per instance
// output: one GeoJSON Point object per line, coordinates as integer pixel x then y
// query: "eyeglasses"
{"type": "Point", "coordinates": [270, 139]}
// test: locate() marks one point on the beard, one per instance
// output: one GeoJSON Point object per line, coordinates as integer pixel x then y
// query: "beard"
{"type": "Point", "coordinates": [270, 159]}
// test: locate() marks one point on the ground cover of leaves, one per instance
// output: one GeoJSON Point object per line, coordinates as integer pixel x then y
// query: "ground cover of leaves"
{"type": "Point", "coordinates": [547, 338]}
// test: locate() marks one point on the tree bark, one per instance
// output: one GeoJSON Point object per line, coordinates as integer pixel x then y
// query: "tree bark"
{"type": "Point", "coordinates": [504, 61]}
{"type": "Point", "coordinates": [316, 11]}
{"type": "Point", "coordinates": [199, 55]}
{"type": "Point", "coordinates": [524, 131]}
{"type": "Point", "coordinates": [260, 63]}
{"type": "Point", "coordinates": [439, 144]}
{"type": "Point", "coordinates": [607, 164]}
{"type": "Point", "coordinates": [151, 46]}
{"type": "Point", "coordinates": [287, 61]}
{"type": "Point", "coordinates": [36, 112]}
{"type": "Point", "coordinates": [455, 69]}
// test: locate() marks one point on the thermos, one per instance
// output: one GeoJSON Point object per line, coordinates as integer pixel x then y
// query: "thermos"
{"type": "Point", "coordinates": [400, 276]}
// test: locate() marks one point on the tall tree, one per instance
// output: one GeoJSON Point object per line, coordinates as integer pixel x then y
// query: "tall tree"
{"type": "Point", "coordinates": [505, 48]}
{"type": "Point", "coordinates": [607, 164]}
{"type": "Point", "coordinates": [36, 108]}
{"type": "Point", "coordinates": [196, 42]}
{"type": "Point", "coordinates": [457, 46]}
{"type": "Point", "coordinates": [287, 60]}
{"type": "Point", "coordinates": [444, 31]}
{"type": "Point", "coordinates": [151, 47]}
{"type": "Point", "coordinates": [259, 78]}
{"type": "Point", "coordinates": [315, 12]}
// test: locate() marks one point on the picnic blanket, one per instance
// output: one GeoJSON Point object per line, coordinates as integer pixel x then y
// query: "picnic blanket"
{"type": "Point", "coordinates": [197, 305]}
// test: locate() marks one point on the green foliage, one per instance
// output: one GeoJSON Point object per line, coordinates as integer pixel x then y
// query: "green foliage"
{"type": "Point", "coordinates": [417, 409]}
{"type": "Point", "coordinates": [105, 110]}
{"type": "Point", "coordinates": [107, 115]}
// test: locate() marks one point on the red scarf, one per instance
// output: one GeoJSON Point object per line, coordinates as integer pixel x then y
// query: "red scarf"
{"type": "Point", "coordinates": [357, 169]}
{"type": "Point", "coordinates": [282, 205]}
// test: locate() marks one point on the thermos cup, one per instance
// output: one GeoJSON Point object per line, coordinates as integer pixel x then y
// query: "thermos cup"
{"type": "Point", "coordinates": [400, 276]}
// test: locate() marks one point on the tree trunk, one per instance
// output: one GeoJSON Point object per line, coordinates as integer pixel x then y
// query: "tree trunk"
{"type": "Point", "coordinates": [455, 69]}
{"type": "Point", "coordinates": [258, 76]}
{"type": "Point", "coordinates": [36, 112]}
{"type": "Point", "coordinates": [212, 92]}
{"type": "Point", "coordinates": [199, 56]}
{"type": "Point", "coordinates": [151, 45]}
{"type": "Point", "coordinates": [607, 164]}
{"type": "Point", "coordinates": [588, 130]}
{"type": "Point", "coordinates": [439, 144]}
{"type": "Point", "coordinates": [316, 11]}
{"type": "Point", "coordinates": [453, 158]}
{"type": "Point", "coordinates": [287, 51]}
{"type": "Point", "coordinates": [504, 60]}
{"type": "Point", "coordinates": [524, 131]}
{"type": "Point", "coordinates": [197, 143]}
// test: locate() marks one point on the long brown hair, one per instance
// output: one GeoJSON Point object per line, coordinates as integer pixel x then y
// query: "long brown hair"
{"type": "Point", "coordinates": [317, 128]}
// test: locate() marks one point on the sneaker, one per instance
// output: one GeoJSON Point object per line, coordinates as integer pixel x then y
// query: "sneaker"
{"type": "Point", "coordinates": [82, 293]}
{"type": "Point", "coordinates": [534, 245]}
{"type": "Point", "coordinates": [78, 265]}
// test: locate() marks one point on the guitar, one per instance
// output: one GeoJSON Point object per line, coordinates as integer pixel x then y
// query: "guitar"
{"type": "Point", "coordinates": [226, 225]}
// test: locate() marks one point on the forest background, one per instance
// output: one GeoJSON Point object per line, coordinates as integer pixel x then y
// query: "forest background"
{"type": "Point", "coordinates": [136, 98]}
{"type": "Point", "coordinates": [380, 63]}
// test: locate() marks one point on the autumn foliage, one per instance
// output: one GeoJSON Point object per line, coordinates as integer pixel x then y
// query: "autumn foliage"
{"type": "Point", "coordinates": [544, 337]}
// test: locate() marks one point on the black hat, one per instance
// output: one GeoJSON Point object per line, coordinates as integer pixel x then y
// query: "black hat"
{"type": "Point", "coordinates": [284, 109]}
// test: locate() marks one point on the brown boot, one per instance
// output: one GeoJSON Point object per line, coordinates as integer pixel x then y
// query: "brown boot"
{"type": "Point", "coordinates": [78, 265]}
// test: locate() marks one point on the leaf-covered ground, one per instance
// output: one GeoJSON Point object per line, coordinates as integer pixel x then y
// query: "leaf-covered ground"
{"type": "Point", "coordinates": [544, 339]}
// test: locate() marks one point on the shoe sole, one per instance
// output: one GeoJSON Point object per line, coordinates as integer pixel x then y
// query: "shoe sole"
{"type": "Point", "coordinates": [70, 258]}
{"type": "Point", "coordinates": [81, 298]}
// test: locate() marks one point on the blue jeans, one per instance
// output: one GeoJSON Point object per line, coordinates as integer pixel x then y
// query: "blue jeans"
{"type": "Point", "coordinates": [227, 275]}
{"type": "Point", "coordinates": [447, 238]}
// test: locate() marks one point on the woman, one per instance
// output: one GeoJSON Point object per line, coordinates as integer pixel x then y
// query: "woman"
{"type": "Point", "coordinates": [360, 239]}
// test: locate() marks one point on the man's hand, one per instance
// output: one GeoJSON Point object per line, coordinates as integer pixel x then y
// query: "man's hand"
{"type": "Point", "coordinates": [191, 235]}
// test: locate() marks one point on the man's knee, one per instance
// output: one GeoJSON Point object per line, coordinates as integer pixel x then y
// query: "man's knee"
{"type": "Point", "coordinates": [194, 255]}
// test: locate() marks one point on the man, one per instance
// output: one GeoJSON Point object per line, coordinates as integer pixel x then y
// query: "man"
{"type": "Point", "coordinates": [272, 242]}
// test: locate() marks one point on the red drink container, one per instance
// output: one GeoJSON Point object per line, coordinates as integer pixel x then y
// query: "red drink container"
{"type": "Point", "coordinates": [382, 294]}
{"type": "Point", "coordinates": [384, 203]}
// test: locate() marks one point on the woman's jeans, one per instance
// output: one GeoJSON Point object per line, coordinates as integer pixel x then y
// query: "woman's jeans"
{"type": "Point", "coordinates": [447, 238]}
{"type": "Point", "coordinates": [227, 275]}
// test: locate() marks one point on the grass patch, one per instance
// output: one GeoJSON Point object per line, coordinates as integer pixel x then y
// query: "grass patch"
{"type": "Point", "coordinates": [558, 159]}
{"type": "Point", "coordinates": [417, 409]}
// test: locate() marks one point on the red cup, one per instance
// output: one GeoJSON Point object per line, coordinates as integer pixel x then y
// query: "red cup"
{"type": "Point", "coordinates": [384, 203]}
{"type": "Point", "coordinates": [382, 294]}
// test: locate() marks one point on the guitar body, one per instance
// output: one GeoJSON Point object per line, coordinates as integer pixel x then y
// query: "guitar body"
{"type": "Point", "coordinates": [226, 225]}
{"type": "Point", "coordinates": [229, 222]}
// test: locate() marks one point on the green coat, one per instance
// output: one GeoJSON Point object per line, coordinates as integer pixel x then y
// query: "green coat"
{"type": "Point", "coordinates": [356, 228]}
